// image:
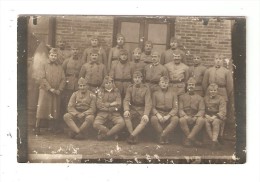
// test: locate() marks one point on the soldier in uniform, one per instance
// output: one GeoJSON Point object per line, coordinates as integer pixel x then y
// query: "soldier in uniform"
{"type": "Point", "coordinates": [197, 72]}
{"type": "Point", "coordinates": [93, 71]}
{"type": "Point", "coordinates": [95, 45]}
{"type": "Point", "coordinates": [146, 56]}
{"type": "Point", "coordinates": [51, 85]}
{"type": "Point", "coordinates": [63, 54]}
{"type": "Point", "coordinates": [108, 105]}
{"type": "Point", "coordinates": [191, 112]}
{"type": "Point", "coordinates": [121, 71]}
{"type": "Point", "coordinates": [165, 111]}
{"type": "Point", "coordinates": [178, 73]}
{"type": "Point", "coordinates": [137, 106]}
{"type": "Point", "coordinates": [154, 72]}
{"type": "Point", "coordinates": [138, 65]}
{"type": "Point", "coordinates": [215, 114]}
{"type": "Point", "coordinates": [167, 56]}
{"type": "Point", "coordinates": [81, 110]}
{"type": "Point", "coordinates": [114, 52]}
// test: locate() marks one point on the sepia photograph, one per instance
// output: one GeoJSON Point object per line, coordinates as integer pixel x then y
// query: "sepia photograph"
{"type": "Point", "coordinates": [131, 89]}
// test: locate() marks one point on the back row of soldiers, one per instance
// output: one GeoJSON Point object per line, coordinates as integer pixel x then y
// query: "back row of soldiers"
{"type": "Point", "coordinates": [139, 88]}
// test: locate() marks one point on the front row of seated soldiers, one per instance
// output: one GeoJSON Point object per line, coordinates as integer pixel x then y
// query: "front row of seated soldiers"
{"type": "Point", "coordinates": [139, 107]}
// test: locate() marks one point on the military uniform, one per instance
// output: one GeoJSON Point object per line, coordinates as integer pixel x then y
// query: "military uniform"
{"type": "Point", "coordinates": [167, 56]}
{"type": "Point", "coordinates": [138, 65]}
{"type": "Point", "coordinates": [94, 73]}
{"type": "Point", "coordinates": [146, 58]}
{"type": "Point", "coordinates": [165, 102]}
{"type": "Point", "coordinates": [102, 55]}
{"type": "Point", "coordinates": [80, 102]}
{"type": "Point", "coordinates": [178, 74]}
{"type": "Point", "coordinates": [152, 75]}
{"type": "Point", "coordinates": [197, 72]}
{"type": "Point", "coordinates": [63, 55]}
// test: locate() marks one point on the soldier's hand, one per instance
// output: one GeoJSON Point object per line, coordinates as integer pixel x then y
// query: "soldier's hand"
{"type": "Point", "coordinates": [113, 104]}
{"type": "Point", "coordinates": [126, 114]}
{"type": "Point", "coordinates": [166, 117]}
{"type": "Point", "coordinates": [52, 90]}
{"type": "Point", "coordinates": [159, 116]}
{"type": "Point", "coordinates": [57, 92]}
{"type": "Point", "coordinates": [145, 118]}
{"type": "Point", "coordinates": [187, 117]}
{"type": "Point", "coordinates": [80, 115]}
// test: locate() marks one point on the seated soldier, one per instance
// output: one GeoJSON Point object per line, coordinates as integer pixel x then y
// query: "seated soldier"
{"type": "Point", "coordinates": [137, 106]}
{"type": "Point", "coordinates": [191, 112]}
{"type": "Point", "coordinates": [165, 111]}
{"type": "Point", "coordinates": [81, 110]}
{"type": "Point", "coordinates": [215, 114]}
{"type": "Point", "coordinates": [108, 105]}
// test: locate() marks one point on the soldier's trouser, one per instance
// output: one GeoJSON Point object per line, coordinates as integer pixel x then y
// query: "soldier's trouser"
{"type": "Point", "coordinates": [165, 128]}
{"type": "Point", "coordinates": [84, 123]}
{"type": "Point", "coordinates": [184, 124]}
{"type": "Point", "coordinates": [214, 130]}
{"type": "Point", "coordinates": [118, 122]}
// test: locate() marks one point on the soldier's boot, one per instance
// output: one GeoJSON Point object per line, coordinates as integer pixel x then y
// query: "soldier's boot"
{"type": "Point", "coordinates": [162, 140]}
{"type": "Point", "coordinates": [37, 131]}
{"type": "Point", "coordinates": [215, 129]}
{"type": "Point", "coordinates": [72, 134]}
{"type": "Point", "coordinates": [221, 140]}
{"type": "Point", "coordinates": [196, 142]}
{"type": "Point", "coordinates": [130, 139]}
{"type": "Point", "coordinates": [187, 142]}
{"type": "Point", "coordinates": [215, 146]}
{"type": "Point", "coordinates": [79, 136]}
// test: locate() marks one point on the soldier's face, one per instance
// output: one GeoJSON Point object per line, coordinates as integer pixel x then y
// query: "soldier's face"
{"type": "Point", "coordinates": [108, 85]}
{"type": "Point", "coordinates": [177, 58]}
{"type": "Point", "coordinates": [213, 92]}
{"type": "Point", "coordinates": [123, 57]}
{"type": "Point", "coordinates": [61, 44]}
{"type": "Point", "coordinates": [155, 58]}
{"type": "Point", "coordinates": [75, 51]}
{"type": "Point", "coordinates": [138, 79]}
{"type": "Point", "coordinates": [120, 41]}
{"type": "Point", "coordinates": [196, 60]}
{"type": "Point", "coordinates": [174, 44]}
{"type": "Point", "coordinates": [191, 87]}
{"type": "Point", "coordinates": [94, 42]}
{"type": "Point", "coordinates": [163, 84]}
{"type": "Point", "coordinates": [137, 55]}
{"type": "Point", "coordinates": [93, 57]}
{"type": "Point", "coordinates": [82, 87]}
{"type": "Point", "coordinates": [53, 57]}
{"type": "Point", "coordinates": [218, 61]}
{"type": "Point", "coordinates": [148, 47]}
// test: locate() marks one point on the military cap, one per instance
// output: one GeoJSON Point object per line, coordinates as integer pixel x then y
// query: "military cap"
{"type": "Point", "coordinates": [174, 39]}
{"type": "Point", "coordinates": [94, 37]}
{"type": "Point", "coordinates": [107, 79]}
{"type": "Point", "coordinates": [196, 56]}
{"type": "Point", "coordinates": [82, 81]}
{"type": "Point", "coordinates": [74, 46]}
{"type": "Point", "coordinates": [148, 42]}
{"type": "Point", "coordinates": [219, 56]}
{"type": "Point", "coordinates": [137, 50]}
{"type": "Point", "coordinates": [164, 78]}
{"type": "Point", "coordinates": [191, 80]}
{"type": "Point", "coordinates": [177, 52]}
{"type": "Point", "coordinates": [137, 73]}
{"type": "Point", "coordinates": [213, 86]}
{"type": "Point", "coordinates": [94, 51]}
{"type": "Point", "coordinates": [123, 52]}
{"type": "Point", "coordinates": [54, 51]}
{"type": "Point", "coordinates": [120, 35]}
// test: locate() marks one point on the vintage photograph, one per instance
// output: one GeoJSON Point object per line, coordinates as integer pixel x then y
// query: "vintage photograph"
{"type": "Point", "coordinates": [131, 89]}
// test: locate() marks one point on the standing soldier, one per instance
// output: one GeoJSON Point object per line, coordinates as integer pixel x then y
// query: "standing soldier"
{"type": "Point", "coordinates": [121, 71]}
{"type": "Point", "coordinates": [167, 56]}
{"type": "Point", "coordinates": [93, 71]}
{"type": "Point", "coordinates": [191, 112]}
{"type": "Point", "coordinates": [95, 45]}
{"type": "Point", "coordinates": [51, 86]}
{"type": "Point", "coordinates": [154, 72]}
{"type": "Point", "coordinates": [137, 106]}
{"type": "Point", "coordinates": [197, 72]}
{"type": "Point", "coordinates": [108, 105]}
{"type": "Point", "coordinates": [81, 110]}
{"type": "Point", "coordinates": [138, 65]}
{"type": "Point", "coordinates": [215, 114]}
{"type": "Point", "coordinates": [178, 73]}
{"type": "Point", "coordinates": [146, 56]}
{"type": "Point", "coordinates": [63, 54]}
{"type": "Point", "coordinates": [165, 111]}
{"type": "Point", "coordinates": [114, 52]}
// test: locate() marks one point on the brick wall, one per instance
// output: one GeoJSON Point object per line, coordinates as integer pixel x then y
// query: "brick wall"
{"type": "Point", "coordinates": [79, 29]}
{"type": "Point", "coordinates": [205, 40]}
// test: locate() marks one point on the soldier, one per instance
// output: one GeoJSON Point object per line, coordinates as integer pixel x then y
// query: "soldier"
{"type": "Point", "coordinates": [51, 86]}
{"type": "Point", "coordinates": [138, 65]}
{"type": "Point", "coordinates": [81, 110]}
{"type": "Point", "coordinates": [178, 73]}
{"type": "Point", "coordinates": [165, 111]}
{"type": "Point", "coordinates": [137, 106]}
{"type": "Point", "coordinates": [114, 52]}
{"type": "Point", "coordinates": [197, 72]}
{"type": "Point", "coordinates": [191, 112]}
{"type": "Point", "coordinates": [93, 71]}
{"type": "Point", "coordinates": [121, 71]}
{"type": "Point", "coordinates": [167, 56]}
{"type": "Point", "coordinates": [154, 72]}
{"type": "Point", "coordinates": [95, 45]}
{"type": "Point", "coordinates": [146, 56]}
{"type": "Point", "coordinates": [215, 114]}
{"type": "Point", "coordinates": [63, 54]}
{"type": "Point", "coordinates": [108, 105]}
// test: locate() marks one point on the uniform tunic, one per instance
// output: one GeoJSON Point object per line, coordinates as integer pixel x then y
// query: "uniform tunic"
{"type": "Point", "coordinates": [139, 66]}
{"type": "Point", "coordinates": [63, 55]}
{"type": "Point", "coordinates": [49, 103]}
{"type": "Point", "coordinates": [222, 77]}
{"type": "Point", "coordinates": [114, 56]}
{"type": "Point", "coordinates": [178, 75]}
{"type": "Point", "coordinates": [197, 72]}
{"type": "Point", "coordinates": [146, 58]}
{"type": "Point", "coordinates": [102, 55]}
{"type": "Point", "coordinates": [216, 106]}
{"type": "Point", "coordinates": [167, 56]}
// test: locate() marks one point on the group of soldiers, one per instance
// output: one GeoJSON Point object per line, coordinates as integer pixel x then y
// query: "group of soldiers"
{"type": "Point", "coordinates": [131, 90]}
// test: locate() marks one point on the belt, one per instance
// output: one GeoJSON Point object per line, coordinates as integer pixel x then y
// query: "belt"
{"type": "Point", "coordinates": [123, 80]}
{"type": "Point", "coordinates": [177, 81]}
{"type": "Point", "coordinates": [93, 85]}
{"type": "Point", "coordinates": [137, 105]}
{"type": "Point", "coordinates": [164, 110]}
{"type": "Point", "coordinates": [154, 82]}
